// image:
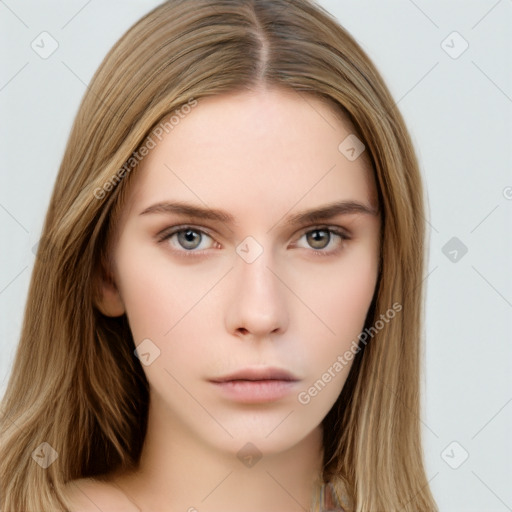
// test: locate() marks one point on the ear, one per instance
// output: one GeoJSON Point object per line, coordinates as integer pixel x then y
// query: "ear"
{"type": "Point", "coordinates": [107, 297]}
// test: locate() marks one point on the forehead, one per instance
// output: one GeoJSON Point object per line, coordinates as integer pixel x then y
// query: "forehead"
{"type": "Point", "coordinates": [262, 151]}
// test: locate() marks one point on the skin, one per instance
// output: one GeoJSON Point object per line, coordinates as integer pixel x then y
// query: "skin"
{"type": "Point", "coordinates": [260, 156]}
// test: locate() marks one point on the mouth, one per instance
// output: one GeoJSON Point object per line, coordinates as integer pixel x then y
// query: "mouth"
{"type": "Point", "coordinates": [256, 385]}
{"type": "Point", "coordinates": [258, 374]}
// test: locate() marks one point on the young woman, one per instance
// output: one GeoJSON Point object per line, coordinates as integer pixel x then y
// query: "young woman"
{"type": "Point", "coordinates": [225, 312]}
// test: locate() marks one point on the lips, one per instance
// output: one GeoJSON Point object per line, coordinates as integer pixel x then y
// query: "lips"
{"type": "Point", "coordinates": [257, 374]}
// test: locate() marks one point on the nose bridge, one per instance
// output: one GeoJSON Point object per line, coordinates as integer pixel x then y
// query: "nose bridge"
{"type": "Point", "coordinates": [255, 278]}
{"type": "Point", "coordinates": [259, 302]}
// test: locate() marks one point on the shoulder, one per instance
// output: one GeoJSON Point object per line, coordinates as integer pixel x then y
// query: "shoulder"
{"type": "Point", "coordinates": [90, 495]}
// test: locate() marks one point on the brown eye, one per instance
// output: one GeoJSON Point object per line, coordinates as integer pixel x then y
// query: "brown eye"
{"type": "Point", "coordinates": [318, 238]}
{"type": "Point", "coordinates": [324, 240]}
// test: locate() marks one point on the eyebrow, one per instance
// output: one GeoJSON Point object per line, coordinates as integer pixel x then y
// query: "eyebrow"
{"type": "Point", "coordinates": [312, 215]}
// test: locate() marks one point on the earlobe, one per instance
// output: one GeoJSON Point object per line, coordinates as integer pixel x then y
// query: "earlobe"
{"type": "Point", "coordinates": [108, 299]}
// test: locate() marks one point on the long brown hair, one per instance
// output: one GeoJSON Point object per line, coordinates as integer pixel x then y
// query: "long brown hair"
{"type": "Point", "coordinates": [70, 354]}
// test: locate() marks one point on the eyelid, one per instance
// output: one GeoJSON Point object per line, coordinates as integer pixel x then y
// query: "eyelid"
{"type": "Point", "coordinates": [334, 228]}
{"type": "Point", "coordinates": [168, 231]}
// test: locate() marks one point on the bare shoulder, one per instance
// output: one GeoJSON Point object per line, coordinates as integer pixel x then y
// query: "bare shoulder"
{"type": "Point", "coordinates": [90, 495]}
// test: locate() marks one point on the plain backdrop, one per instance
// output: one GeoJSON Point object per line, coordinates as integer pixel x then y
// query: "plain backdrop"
{"type": "Point", "coordinates": [449, 67]}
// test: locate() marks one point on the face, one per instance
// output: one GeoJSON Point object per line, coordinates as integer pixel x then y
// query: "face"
{"type": "Point", "coordinates": [221, 267]}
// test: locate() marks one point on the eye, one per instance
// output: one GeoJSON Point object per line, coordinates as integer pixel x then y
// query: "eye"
{"type": "Point", "coordinates": [189, 240]}
{"type": "Point", "coordinates": [186, 238]}
{"type": "Point", "coordinates": [325, 240]}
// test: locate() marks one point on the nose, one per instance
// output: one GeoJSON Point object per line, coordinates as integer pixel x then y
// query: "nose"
{"type": "Point", "coordinates": [257, 303]}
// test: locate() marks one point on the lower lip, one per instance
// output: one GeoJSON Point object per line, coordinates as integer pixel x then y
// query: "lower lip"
{"type": "Point", "coordinates": [255, 391]}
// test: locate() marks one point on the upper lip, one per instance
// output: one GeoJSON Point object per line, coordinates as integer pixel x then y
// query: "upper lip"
{"type": "Point", "coordinates": [261, 373]}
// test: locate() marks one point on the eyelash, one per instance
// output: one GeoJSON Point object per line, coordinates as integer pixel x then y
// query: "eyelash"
{"type": "Point", "coordinates": [166, 235]}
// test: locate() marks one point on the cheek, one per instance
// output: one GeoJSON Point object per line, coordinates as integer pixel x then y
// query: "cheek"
{"type": "Point", "coordinates": [157, 293]}
{"type": "Point", "coordinates": [162, 304]}
{"type": "Point", "coordinates": [347, 297]}
{"type": "Point", "coordinates": [340, 296]}
{"type": "Point", "coordinates": [340, 293]}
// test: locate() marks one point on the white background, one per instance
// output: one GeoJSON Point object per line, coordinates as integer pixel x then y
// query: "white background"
{"type": "Point", "coordinates": [459, 112]}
